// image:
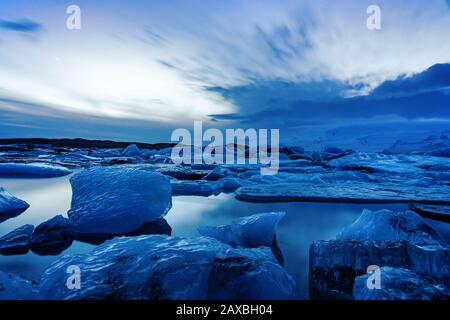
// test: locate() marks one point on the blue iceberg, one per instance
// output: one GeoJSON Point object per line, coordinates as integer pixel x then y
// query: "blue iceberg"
{"type": "Point", "coordinates": [248, 232]}
{"type": "Point", "coordinates": [176, 268]}
{"type": "Point", "coordinates": [400, 284]}
{"type": "Point", "coordinates": [52, 236]}
{"type": "Point", "coordinates": [17, 241]}
{"type": "Point", "coordinates": [10, 206]}
{"type": "Point", "coordinates": [32, 170]}
{"type": "Point", "coordinates": [117, 200]}
{"type": "Point", "coordinates": [385, 225]}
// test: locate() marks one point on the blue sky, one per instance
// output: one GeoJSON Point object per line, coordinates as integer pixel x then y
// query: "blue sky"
{"type": "Point", "coordinates": [138, 69]}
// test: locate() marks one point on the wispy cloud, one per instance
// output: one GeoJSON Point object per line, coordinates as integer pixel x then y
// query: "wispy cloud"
{"type": "Point", "coordinates": [25, 26]}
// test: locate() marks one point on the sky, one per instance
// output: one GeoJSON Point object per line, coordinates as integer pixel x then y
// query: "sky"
{"type": "Point", "coordinates": [137, 70]}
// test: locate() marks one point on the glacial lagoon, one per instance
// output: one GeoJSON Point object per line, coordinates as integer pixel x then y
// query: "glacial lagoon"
{"type": "Point", "coordinates": [304, 222]}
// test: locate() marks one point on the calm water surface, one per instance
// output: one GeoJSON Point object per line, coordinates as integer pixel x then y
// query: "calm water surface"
{"type": "Point", "coordinates": [304, 222]}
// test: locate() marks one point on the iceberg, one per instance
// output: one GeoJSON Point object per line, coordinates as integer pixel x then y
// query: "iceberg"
{"type": "Point", "coordinates": [388, 225]}
{"type": "Point", "coordinates": [231, 184]}
{"type": "Point", "coordinates": [348, 191]}
{"type": "Point", "coordinates": [17, 241]}
{"type": "Point", "coordinates": [258, 230]}
{"type": "Point", "coordinates": [131, 151]}
{"type": "Point", "coordinates": [441, 213]}
{"type": "Point", "coordinates": [215, 175]}
{"type": "Point", "coordinates": [429, 145]}
{"type": "Point", "coordinates": [117, 200]}
{"type": "Point", "coordinates": [160, 267]}
{"type": "Point", "coordinates": [334, 265]}
{"type": "Point", "coordinates": [52, 237]}
{"type": "Point", "coordinates": [13, 287]}
{"type": "Point", "coordinates": [32, 170]}
{"type": "Point", "coordinates": [10, 206]}
{"type": "Point", "coordinates": [400, 284]}
{"type": "Point", "coordinates": [249, 232]}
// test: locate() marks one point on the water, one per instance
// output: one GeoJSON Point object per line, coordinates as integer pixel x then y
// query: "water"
{"type": "Point", "coordinates": [304, 222]}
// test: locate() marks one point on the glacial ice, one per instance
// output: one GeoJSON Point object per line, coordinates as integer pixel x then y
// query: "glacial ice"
{"type": "Point", "coordinates": [230, 184]}
{"type": "Point", "coordinates": [248, 232]}
{"type": "Point", "coordinates": [215, 175]}
{"type": "Point", "coordinates": [432, 145]}
{"type": "Point", "coordinates": [32, 170]}
{"type": "Point", "coordinates": [117, 200]}
{"type": "Point", "coordinates": [132, 151]}
{"type": "Point", "coordinates": [175, 268]}
{"type": "Point", "coordinates": [52, 236]}
{"type": "Point", "coordinates": [344, 191]}
{"type": "Point", "coordinates": [10, 206]}
{"type": "Point", "coordinates": [17, 241]}
{"type": "Point", "coordinates": [17, 288]}
{"type": "Point", "coordinates": [335, 264]}
{"type": "Point", "coordinates": [258, 230]}
{"type": "Point", "coordinates": [388, 225]}
{"type": "Point", "coordinates": [381, 238]}
{"type": "Point", "coordinates": [400, 284]}
{"type": "Point", "coordinates": [435, 212]}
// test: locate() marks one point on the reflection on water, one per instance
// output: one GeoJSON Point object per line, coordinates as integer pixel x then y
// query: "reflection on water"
{"type": "Point", "coordinates": [304, 222]}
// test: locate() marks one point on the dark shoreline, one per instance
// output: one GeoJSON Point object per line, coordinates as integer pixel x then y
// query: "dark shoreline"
{"type": "Point", "coordinates": [84, 143]}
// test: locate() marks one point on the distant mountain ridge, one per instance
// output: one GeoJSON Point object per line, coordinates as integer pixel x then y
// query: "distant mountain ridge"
{"type": "Point", "coordinates": [84, 143]}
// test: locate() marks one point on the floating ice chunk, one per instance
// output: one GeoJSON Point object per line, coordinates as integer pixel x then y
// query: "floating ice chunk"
{"type": "Point", "coordinates": [174, 268]}
{"type": "Point", "coordinates": [132, 151]}
{"type": "Point", "coordinates": [117, 200]}
{"type": "Point", "coordinates": [441, 213]}
{"type": "Point", "coordinates": [10, 206]}
{"type": "Point", "coordinates": [17, 241]}
{"type": "Point", "coordinates": [333, 265]}
{"type": "Point", "coordinates": [32, 170]}
{"type": "Point", "coordinates": [400, 284]}
{"type": "Point", "coordinates": [231, 184]}
{"type": "Point", "coordinates": [215, 175]}
{"type": "Point", "coordinates": [348, 191]}
{"type": "Point", "coordinates": [429, 145]}
{"type": "Point", "coordinates": [249, 232]}
{"type": "Point", "coordinates": [388, 225]}
{"type": "Point", "coordinates": [17, 288]}
{"type": "Point", "coordinates": [106, 153]}
{"type": "Point", "coordinates": [52, 237]}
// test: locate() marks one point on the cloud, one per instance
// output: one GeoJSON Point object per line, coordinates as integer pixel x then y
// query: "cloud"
{"type": "Point", "coordinates": [436, 77]}
{"type": "Point", "coordinates": [425, 95]}
{"type": "Point", "coordinates": [293, 63]}
{"type": "Point", "coordinates": [24, 26]}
